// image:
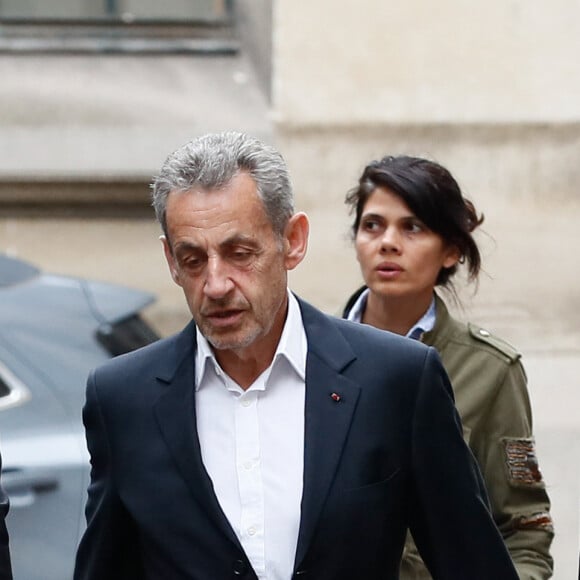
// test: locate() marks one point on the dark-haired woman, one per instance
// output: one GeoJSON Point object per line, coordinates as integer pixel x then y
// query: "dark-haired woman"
{"type": "Point", "coordinates": [412, 229]}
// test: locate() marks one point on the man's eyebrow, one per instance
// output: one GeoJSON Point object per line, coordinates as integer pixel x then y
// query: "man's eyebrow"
{"type": "Point", "coordinates": [182, 247]}
{"type": "Point", "coordinates": [236, 239]}
{"type": "Point", "coordinates": [239, 239]}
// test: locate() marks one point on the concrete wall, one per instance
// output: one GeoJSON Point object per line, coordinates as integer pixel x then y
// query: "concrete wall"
{"type": "Point", "coordinates": [254, 22]}
{"type": "Point", "coordinates": [490, 93]}
{"type": "Point", "coordinates": [96, 117]}
{"type": "Point", "coordinates": [422, 62]}
{"type": "Point", "coordinates": [493, 91]}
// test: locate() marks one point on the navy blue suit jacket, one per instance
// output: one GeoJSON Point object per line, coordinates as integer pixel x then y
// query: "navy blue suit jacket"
{"type": "Point", "coordinates": [387, 456]}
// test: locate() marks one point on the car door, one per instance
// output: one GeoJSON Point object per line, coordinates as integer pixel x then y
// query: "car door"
{"type": "Point", "coordinates": [44, 470]}
{"type": "Point", "coordinates": [53, 330]}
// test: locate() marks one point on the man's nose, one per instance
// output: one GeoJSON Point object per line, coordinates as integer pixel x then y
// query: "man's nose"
{"type": "Point", "coordinates": [217, 282]}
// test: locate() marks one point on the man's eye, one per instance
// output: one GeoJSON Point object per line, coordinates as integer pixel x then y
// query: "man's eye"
{"type": "Point", "coordinates": [192, 263]}
{"type": "Point", "coordinates": [241, 255]}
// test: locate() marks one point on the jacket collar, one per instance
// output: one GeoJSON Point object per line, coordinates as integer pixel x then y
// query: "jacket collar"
{"type": "Point", "coordinates": [331, 400]}
{"type": "Point", "coordinates": [180, 350]}
{"type": "Point", "coordinates": [352, 300]}
{"type": "Point", "coordinates": [176, 417]}
{"type": "Point", "coordinates": [439, 336]}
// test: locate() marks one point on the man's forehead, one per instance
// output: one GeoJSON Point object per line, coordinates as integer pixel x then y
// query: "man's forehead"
{"type": "Point", "coordinates": [241, 190]}
{"type": "Point", "coordinates": [191, 227]}
{"type": "Point", "coordinates": [239, 181]}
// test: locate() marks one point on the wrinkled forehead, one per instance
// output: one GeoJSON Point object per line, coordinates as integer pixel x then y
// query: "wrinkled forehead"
{"type": "Point", "coordinates": [233, 210]}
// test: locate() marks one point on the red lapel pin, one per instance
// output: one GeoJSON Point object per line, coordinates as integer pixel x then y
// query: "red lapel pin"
{"type": "Point", "coordinates": [335, 397]}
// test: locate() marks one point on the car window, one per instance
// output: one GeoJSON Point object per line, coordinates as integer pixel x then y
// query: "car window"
{"type": "Point", "coordinates": [4, 390]}
{"type": "Point", "coordinates": [125, 335]}
{"type": "Point", "coordinates": [12, 391]}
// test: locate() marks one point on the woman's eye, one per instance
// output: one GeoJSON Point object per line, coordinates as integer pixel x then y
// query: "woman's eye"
{"type": "Point", "coordinates": [370, 226]}
{"type": "Point", "coordinates": [414, 227]}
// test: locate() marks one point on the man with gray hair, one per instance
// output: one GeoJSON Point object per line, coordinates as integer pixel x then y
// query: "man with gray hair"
{"type": "Point", "coordinates": [268, 440]}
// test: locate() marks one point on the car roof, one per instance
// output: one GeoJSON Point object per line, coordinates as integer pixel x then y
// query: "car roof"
{"type": "Point", "coordinates": [23, 285]}
{"type": "Point", "coordinates": [14, 271]}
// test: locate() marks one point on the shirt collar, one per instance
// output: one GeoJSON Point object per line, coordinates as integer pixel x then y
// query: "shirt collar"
{"type": "Point", "coordinates": [292, 347]}
{"type": "Point", "coordinates": [356, 312]}
{"type": "Point", "coordinates": [424, 324]}
{"type": "Point", "coordinates": [293, 344]}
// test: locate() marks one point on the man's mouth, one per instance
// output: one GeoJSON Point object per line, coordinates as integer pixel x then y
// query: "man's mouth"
{"type": "Point", "coordinates": [224, 317]}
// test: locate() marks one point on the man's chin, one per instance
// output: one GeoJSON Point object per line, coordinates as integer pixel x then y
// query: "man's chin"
{"type": "Point", "coordinates": [230, 341]}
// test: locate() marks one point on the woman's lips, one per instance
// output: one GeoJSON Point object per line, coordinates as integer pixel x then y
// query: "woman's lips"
{"type": "Point", "coordinates": [388, 270]}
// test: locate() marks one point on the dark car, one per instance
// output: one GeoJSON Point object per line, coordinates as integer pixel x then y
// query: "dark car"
{"type": "Point", "coordinates": [53, 330]}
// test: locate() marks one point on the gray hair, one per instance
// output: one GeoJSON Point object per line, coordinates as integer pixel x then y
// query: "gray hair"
{"type": "Point", "coordinates": [211, 161]}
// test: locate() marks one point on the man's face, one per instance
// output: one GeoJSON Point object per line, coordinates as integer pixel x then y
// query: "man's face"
{"type": "Point", "coordinates": [222, 251]}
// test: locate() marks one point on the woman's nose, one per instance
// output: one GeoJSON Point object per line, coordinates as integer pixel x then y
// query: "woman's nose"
{"type": "Point", "coordinates": [390, 241]}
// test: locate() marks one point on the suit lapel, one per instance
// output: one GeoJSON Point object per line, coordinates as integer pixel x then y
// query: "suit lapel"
{"type": "Point", "coordinates": [331, 400]}
{"type": "Point", "coordinates": [176, 417]}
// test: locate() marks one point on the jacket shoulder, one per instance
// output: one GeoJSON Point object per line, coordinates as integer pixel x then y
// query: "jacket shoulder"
{"type": "Point", "coordinates": [484, 337]}
{"type": "Point", "coordinates": [161, 358]}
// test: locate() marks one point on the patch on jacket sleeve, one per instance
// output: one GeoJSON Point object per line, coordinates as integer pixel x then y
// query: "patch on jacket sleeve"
{"type": "Point", "coordinates": [537, 521]}
{"type": "Point", "coordinates": [521, 461]}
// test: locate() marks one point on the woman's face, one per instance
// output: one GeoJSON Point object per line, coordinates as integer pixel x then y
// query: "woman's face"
{"type": "Point", "coordinates": [398, 254]}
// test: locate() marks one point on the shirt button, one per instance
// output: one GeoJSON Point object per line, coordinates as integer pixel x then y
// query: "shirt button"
{"type": "Point", "coordinates": [483, 332]}
{"type": "Point", "coordinates": [248, 465]}
{"type": "Point", "coordinates": [251, 531]}
{"type": "Point", "coordinates": [246, 403]}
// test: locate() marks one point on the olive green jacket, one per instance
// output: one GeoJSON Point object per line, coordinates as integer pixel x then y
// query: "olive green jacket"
{"type": "Point", "coordinates": [492, 398]}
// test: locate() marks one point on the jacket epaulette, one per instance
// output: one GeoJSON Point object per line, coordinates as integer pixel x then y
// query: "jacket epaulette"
{"type": "Point", "coordinates": [483, 335]}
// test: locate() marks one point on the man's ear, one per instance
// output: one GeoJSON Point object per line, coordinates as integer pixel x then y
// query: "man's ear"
{"type": "Point", "coordinates": [296, 240]}
{"type": "Point", "coordinates": [170, 259]}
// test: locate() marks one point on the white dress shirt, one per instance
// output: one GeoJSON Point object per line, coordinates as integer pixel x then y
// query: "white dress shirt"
{"type": "Point", "coordinates": [252, 446]}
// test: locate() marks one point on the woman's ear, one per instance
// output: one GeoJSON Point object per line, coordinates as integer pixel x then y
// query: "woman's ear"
{"type": "Point", "coordinates": [452, 256]}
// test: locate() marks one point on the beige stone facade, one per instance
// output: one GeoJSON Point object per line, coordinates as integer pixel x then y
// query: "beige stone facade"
{"type": "Point", "coordinates": [490, 90]}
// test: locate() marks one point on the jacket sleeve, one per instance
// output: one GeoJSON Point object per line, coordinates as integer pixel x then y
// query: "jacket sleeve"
{"type": "Point", "coordinates": [448, 493]}
{"type": "Point", "coordinates": [5, 567]}
{"type": "Point", "coordinates": [508, 461]}
{"type": "Point", "coordinates": [109, 546]}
